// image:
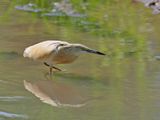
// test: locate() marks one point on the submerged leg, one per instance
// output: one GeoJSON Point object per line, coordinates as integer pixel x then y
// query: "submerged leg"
{"type": "Point", "coordinates": [47, 76]}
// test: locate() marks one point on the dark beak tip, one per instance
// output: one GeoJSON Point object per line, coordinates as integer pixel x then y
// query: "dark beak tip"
{"type": "Point", "coordinates": [95, 52]}
{"type": "Point", "coordinates": [100, 53]}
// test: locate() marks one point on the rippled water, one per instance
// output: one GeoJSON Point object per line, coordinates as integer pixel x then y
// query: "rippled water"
{"type": "Point", "coordinates": [115, 87]}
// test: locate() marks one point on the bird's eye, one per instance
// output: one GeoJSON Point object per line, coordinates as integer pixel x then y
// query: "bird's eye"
{"type": "Point", "coordinates": [62, 45]}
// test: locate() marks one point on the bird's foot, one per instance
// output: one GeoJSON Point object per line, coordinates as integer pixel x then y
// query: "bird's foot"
{"type": "Point", "coordinates": [48, 76]}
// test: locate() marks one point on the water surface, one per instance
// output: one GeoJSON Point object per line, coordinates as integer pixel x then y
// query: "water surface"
{"type": "Point", "coordinates": [124, 85]}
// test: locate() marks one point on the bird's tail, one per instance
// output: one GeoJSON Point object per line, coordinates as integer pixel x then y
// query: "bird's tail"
{"type": "Point", "coordinates": [95, 52]}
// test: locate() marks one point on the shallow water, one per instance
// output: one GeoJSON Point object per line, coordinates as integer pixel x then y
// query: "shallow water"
{"type": "Point", "coordinates": [124, 85]}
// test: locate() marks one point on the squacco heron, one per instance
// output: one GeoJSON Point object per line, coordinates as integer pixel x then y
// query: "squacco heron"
{"type": "Point", "coordinates": [53, 52]}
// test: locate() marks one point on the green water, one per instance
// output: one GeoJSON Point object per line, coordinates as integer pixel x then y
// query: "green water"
{"type": "Point", "coordinates": [123, 85]}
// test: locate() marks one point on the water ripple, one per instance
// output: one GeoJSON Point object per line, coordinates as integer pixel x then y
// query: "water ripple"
{"type": "Point", "coordinates": [12, 98]}
{"type": "Point", "coordinates": [12, 115]}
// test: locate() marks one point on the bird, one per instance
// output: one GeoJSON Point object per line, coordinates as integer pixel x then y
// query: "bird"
{"type": "Point", "coordinates": [53, 52]}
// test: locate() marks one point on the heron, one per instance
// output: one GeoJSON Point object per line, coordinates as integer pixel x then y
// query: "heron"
{"type": "Point", "coordinates": [53, 52]}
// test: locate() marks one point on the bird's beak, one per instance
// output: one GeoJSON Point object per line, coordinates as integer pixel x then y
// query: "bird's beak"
{"type": "Point", "coordinates": [95, 52]}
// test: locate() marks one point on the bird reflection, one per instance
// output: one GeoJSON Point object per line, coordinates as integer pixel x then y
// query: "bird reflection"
{"type": "Point", "coordinates": [56, 94]}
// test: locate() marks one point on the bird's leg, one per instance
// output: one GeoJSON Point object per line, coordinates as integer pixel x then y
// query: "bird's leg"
{"type": "Point", "coordinates": [56, 68]}
{"type": "Point", "coordinates": [52, 66]}
{"type": "Point", "coordinates": [50, 71]}
{"type": "Point", "coordinates": [46, 64]}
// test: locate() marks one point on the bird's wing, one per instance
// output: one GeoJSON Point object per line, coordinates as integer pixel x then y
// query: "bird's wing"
{"type": "Point", "coordinates": [42, 49]}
